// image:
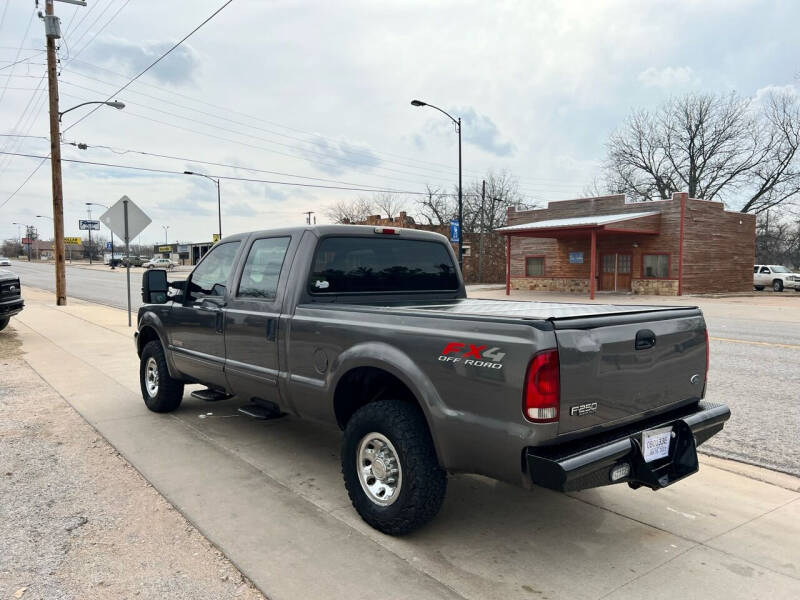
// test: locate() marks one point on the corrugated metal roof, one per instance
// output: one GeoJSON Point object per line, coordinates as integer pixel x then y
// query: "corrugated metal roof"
{"type": "Point", "coordinates": [588, 220]}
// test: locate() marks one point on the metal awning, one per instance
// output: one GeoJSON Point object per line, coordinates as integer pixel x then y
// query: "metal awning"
{"type": "Point", "coordinates": [589, 221]}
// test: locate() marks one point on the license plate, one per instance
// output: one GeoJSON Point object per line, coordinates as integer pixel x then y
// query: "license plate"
{"type": "Point", "coordinates": [655, 443]}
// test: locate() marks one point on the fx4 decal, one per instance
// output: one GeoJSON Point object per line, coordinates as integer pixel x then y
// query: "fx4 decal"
{"type": "Point", "coordinates": [472, 355]}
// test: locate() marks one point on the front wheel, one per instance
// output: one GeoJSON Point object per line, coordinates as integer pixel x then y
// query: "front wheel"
{"type": "Point", "coordinates": [390, 467]}
{"type": "Point", "coordinates": [4, 322]}
{"type": "Point", "coordinates": [161, 392]}
{"type": "Point", "coordinates": [777, 285]}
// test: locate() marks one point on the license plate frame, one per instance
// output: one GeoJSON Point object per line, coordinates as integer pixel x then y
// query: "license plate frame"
{"type": "Point", "coordinates": [656, 443]}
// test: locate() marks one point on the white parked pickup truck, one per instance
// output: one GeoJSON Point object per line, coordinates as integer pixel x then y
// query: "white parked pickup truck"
{"type": "Point", "coordinates": [775, 276]}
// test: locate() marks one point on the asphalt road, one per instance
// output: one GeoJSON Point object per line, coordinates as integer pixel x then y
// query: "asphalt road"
{"type": "Point", "coordinates": [95, 284]}
{"type": "Point", "coordinates": [755, 357]}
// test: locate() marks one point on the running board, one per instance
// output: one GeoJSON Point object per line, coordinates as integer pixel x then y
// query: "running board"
{"type": "Point", "coordinates": [260, 412]}
{"type": "Point", "coordinates": [209, 395]}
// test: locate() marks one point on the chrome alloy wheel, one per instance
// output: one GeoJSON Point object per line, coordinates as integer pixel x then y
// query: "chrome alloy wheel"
{"type": "Point", "coordinates": [151, 377]}
{"type": "Point", "coordinates": [379, 469]}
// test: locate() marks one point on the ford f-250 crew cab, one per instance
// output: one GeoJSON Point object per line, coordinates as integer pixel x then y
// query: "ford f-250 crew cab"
{"type": "Point", "coordinates": [369, 328]}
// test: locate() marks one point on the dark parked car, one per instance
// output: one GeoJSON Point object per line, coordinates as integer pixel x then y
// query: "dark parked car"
{"type": "Point", "coordinates": [370, 329]}
{"type": "Point", "coordinates": [10, 297]}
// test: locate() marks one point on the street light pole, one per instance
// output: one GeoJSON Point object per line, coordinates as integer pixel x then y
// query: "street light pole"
{"type": "Point", "coordinates": [219, 197]}
{"type": "Point", "coordinates": [165, 227]}
{"type": "Point", "coordinates": [457, 123]}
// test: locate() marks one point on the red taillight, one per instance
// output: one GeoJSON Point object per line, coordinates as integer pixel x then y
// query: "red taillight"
{"type": "Point", "coordinates": [541, 398]}
{"type": "Point", "coordinates": [389, 230]}
{"type": "Point", "coordinates": [708, 359]}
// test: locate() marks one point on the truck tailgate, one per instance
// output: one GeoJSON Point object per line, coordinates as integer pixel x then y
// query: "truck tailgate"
{"type": "Point", "coordinates": [617, 368]}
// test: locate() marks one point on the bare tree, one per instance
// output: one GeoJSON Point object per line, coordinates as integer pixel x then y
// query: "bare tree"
{"type": "Point", "coordinates": [350, 211]}
{"type": "Point", "coordinates": [387, 203]}
{"type": "Point", "coordinates": [438, 206]}
{"type": "Point", "coordinates": [713, 147]}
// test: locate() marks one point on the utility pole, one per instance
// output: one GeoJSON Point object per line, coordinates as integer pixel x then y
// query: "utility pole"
{"type": "Point", "coordinates": [480, 248]}
{"type": "Point", "coordinates": [308, 214]}
{"type": "Point", "coordinates": [53, 32]}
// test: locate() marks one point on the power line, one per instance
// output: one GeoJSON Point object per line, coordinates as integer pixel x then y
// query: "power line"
{"type": "Point", "coordinates": [99, 31]}
{"type": "Point", "coordinates": [21, 44]}
{"type": "Point", "coordinates": [224, 177]}
{"type": "Point", "coordinates": [22, 60]}
{"type": "Point", "coordinates": [152, 64]}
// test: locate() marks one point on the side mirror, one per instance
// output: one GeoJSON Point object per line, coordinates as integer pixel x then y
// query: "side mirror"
{"type": "Point", "coordinates": [154, 286]}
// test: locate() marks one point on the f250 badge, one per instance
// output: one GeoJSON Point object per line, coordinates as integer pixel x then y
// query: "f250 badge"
{"type": "Point", "coordinates": [472, 355]}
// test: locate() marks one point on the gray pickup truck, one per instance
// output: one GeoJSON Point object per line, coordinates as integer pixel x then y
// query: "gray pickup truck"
{"type": "Point", "coordinates": [370, 329]}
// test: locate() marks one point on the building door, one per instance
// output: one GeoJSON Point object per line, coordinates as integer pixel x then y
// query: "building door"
{"type": "Point", "coordinates": [615, 272]}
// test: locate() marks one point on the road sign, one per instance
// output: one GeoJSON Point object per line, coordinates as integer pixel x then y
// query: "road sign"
{"type": "Point", "coordinates": [73, 240]}
{"type": "Point", "coordinates": [455, 232]}
{"type": "Point", "coordinates": [109, 246]}
{"type": "Point", "coordinates": [88, 225]}
{"type": "Point", "coordinates": [26, 240]}
{"type": "Point", "coordinates": [214, 238]}
{"type": "Point", "coordinates": [114, 219]}
{"type": "Point", "coordinates": [126, 220]}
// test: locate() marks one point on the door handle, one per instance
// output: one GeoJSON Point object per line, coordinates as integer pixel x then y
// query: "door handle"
{"type": "Point", "coordinates": [272, 329]}
{"type": "Point", "coordinates": [645, 339]}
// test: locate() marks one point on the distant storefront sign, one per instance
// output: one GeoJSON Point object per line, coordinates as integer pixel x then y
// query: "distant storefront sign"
{"type": "Point", "coordinates": [73, 240]}
{"type": "Point", "coordinates": [183, 248]}
{"type": "Point", "coordinates": [165, 248]}
{"type": "Point", "coordinates": [576, 258]}
{"type": "Point", "coordinates": [88, 225]}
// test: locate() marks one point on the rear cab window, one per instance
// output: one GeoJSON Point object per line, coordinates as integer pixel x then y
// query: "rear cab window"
{"type": "Point", "coordinates": [364, 265]}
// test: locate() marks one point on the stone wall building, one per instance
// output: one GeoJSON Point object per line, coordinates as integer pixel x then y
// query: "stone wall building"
{"type": "Point", "coordinates": [678, 246]}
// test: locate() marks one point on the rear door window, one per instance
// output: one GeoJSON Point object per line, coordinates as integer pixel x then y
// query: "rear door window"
{"type": "Point", "coordinates": [357, 265]}
{"type": "Point", "coordinates": [262, 269]}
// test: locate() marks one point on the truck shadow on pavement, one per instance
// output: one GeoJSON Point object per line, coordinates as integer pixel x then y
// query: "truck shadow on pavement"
{"type": "Point", "coordinates": [497, 538]}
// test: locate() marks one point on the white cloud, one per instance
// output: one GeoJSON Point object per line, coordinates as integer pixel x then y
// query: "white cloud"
{"type": "Point", "coordinates": [668, 77]}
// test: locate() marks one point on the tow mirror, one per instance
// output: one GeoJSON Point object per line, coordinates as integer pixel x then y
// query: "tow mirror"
{"type": "Point", "coordinates": [154, 286]}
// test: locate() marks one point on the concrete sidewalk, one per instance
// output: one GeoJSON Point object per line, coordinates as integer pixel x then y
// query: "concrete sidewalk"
{"type": "Point", "coordinates": [270, 496]}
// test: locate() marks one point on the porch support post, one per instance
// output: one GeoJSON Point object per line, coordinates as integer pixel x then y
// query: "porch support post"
{"type": "Point", "coordinates": [592, 263]}
{"type": "Point", "coordinates": [508, 265]}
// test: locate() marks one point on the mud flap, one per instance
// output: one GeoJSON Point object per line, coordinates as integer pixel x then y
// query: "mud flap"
{"type": "Point", "coordinates": [679, 463]}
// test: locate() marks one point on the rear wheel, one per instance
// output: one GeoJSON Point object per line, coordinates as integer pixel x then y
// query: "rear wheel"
{"type": "Point", "coordinates": [3, 322]}
{"type": "Point", "coordinates": [161, 392]}
{"type": "Point", "coordinates": [390, 467]}
{"type": "Point", "coordinates": [759, 287]}
{"type": "Point", "coordinates": [777, 285]}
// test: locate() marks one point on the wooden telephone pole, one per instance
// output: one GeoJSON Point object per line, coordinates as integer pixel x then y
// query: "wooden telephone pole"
{"type": "Point", "coordinates": [53, 32]}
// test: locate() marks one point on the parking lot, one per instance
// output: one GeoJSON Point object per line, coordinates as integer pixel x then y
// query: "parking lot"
{"type": "Point", "coordinates": [269, 493]}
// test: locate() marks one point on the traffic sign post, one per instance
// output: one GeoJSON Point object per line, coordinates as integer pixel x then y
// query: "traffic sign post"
{"type": "Point", "coordinates": [455, 231]}
{"type": "Point", "coordinates": [126, 220]}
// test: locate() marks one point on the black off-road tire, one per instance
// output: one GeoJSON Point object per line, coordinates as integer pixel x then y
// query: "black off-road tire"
{"type": "Point", "coordinates": [169, 391]}
{"type": "Point", "coordinates": [4, 322]}
{"type": "Point", "coordinates": [760, 288]}
{"type": "Point", "coordinates": [424, 482]}
{"type": "Point", "coordinates": [777, 285]}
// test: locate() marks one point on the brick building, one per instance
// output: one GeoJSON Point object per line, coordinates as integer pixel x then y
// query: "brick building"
{"type": "Point", "coordinates": [671, 247]}
{"type": "Point", "coordinates": [489, 270]}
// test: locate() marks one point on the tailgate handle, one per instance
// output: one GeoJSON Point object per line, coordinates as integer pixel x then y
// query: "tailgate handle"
{"type": "Point", "coordinates": [645, 339]}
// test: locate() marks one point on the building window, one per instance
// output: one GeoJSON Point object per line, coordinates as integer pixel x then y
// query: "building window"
{"type": "Point", "coordinates": [655, 266]}
{"type": "Point", "coordinates": [534, 266]}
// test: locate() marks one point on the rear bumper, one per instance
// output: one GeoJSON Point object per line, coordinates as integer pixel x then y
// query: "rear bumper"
{"type": "Point", "coordinates": [9, 308]}
{"type": "Point", "coordinates": [588, 463]}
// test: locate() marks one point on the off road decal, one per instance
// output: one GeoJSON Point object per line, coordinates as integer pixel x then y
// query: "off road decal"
{"type": "Point", "coordinates": [472, 355]}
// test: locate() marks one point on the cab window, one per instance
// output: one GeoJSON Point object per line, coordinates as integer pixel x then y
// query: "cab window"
{"type": "Point", "coordinates": [263, 268]}
{"type": "Point", "coordinates": [765, 270]}
{"type": "Point", "coordinates": [211, 275]}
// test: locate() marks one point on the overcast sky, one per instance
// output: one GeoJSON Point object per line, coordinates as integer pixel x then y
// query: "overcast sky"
{"type": "Point", "coordinates": [321, 90]}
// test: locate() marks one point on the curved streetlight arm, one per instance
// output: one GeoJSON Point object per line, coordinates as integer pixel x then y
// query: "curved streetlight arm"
{"type": "Point", "coordinates": [112, 104]}
{"type": "Point", "coordinates": [457, 122]}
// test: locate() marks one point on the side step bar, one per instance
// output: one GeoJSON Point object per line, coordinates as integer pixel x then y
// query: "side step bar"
{"type": "Point", "coordinates": [209, 395]}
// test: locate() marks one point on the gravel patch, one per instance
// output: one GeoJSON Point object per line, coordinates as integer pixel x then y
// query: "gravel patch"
{"type": "Point", "coordinates": [77, 521]}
